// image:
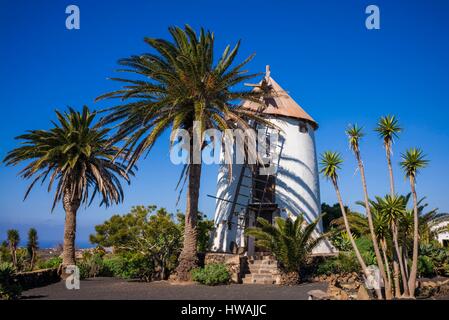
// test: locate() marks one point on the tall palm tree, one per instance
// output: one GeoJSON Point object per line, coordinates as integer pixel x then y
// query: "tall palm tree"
{"type": "Point", "coordinates": [388, 128]}
{"type": "Point", "coordinates": [290, 241]}
{"type": "Point", "coordinates": [330, 164]}
{"type": "Point", "coordinates": [76, 155]}
{"type": "Point", "coordinates": [32, 246]}
{"type": "Point", "coordinates": [13, 237]}
{"type": "Point", "coordinates": [355, 133]}
{"type": "Point", "coordinates": [412, 161]}
{"type": "Point", "coordinates": [181, 87]}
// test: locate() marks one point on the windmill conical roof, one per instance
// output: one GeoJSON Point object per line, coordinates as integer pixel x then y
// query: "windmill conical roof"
{"type": "Point", "coordinates": [279, 103]}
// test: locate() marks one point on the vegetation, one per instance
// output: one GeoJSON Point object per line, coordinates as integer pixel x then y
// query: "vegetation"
{"type": "Point", "coordinates": [212, 274]}
{"type": "Point", "coordinates": [290, 241]}
{"type": "Point", "coordinates": [9, 290]}
{"type": "Point", "coordinates": [78, 156]}
{"type": "Point", "coordinates": [182, 88]}
{"type": "Point", "coordinates": [32, 246]}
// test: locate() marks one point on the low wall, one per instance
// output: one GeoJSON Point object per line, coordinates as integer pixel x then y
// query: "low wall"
{"type": "Point", "coordinates": [234, 262]}
{"type": "Point", "coordinates": [37, 278]}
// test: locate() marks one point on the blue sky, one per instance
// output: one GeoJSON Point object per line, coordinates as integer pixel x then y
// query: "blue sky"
{"type": "Point", "coordinates": [319, 51]}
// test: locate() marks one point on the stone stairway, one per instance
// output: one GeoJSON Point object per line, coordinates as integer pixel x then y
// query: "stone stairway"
{"type": "Point", "coordinates": [261, 270]}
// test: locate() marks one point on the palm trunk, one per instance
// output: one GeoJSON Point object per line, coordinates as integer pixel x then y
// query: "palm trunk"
{"type": "Point", "coordinates": [14, 256]}
{"type": "Point", "coordinates": [348, 229]}
{"type": "Point", "coordinates": [397, 257]}
{"type": "Point", "coordinates": [71, 207]}
{"type": "Point", "coordinates": [414, 268]}
{"type": "Point", "coordinates": [371, 229]}
{"type": "Point", "coordinates": [188, 258]}
{"type": "Point", "coordinates": [33, 258]}
{"type": "Point", "coordinates": [384, 252]}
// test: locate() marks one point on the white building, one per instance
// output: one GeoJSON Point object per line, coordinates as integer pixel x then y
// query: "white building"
{"type": "Point", "coordinates": [292, 190]}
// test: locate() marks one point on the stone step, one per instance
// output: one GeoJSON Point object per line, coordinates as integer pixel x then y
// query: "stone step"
{"type": "Point", "coordinates": [264, 280]}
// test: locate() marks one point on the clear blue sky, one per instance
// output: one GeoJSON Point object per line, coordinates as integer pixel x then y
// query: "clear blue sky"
{"type": "Point", "coordinates": [320, 51]}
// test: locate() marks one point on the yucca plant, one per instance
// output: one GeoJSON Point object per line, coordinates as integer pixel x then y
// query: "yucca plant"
{"type": "Point", "coordinates": [78, 157]}
{"type": "Point", "coordinates": [32, 246]}
{"type": "Point", "coordinates": [355, 133]}
{"type": "Point", "coordinates": [13, 237]}
{"type": "Point", "coordinates": [181, 86]}
{"type": "Point", "coordinates": [388, 128]}
{"type": "Point", "coordinates": [413, 160]}
{"type": "Point", "coordinates": [330, 165]}
{"type": "Point", "coordinates": [290, 241]}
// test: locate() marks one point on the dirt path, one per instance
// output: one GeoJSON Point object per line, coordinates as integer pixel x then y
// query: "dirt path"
{"type": "Point", "coordinates": [110, 288]}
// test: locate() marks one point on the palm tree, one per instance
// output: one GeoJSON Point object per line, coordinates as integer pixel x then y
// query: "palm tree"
{"type": "Point", "coordinates": [330, 164]}
{"type": "Point", "coordinates": [355, 133]}
{"type": "Point", "coordinates": [290, 241]}
{"type": "Point", "coordinates": [388, 128]}
{"type": "Point", "coordinates": [182, 88]}
{"type": "Point", "coordinates": [32, 246]}
{"type": "Point", "coordinates": [412, 161]}
{"type": "Point", "coordinates": [76, 155]}
{"type": "Point", "coordinates": [13, 241]}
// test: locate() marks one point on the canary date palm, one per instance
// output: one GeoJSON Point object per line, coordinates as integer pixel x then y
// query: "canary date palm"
{"type": "Point", "coordinates": [180, 86]}
{"type": "Point", "coordinates": [76, 156]}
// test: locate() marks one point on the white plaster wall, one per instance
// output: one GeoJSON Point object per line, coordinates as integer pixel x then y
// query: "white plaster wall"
{"type": "Point", "coordinates": [297, 184]}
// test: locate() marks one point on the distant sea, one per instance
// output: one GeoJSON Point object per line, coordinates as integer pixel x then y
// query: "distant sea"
{"type": "Point", "coordinates": [53, 244]}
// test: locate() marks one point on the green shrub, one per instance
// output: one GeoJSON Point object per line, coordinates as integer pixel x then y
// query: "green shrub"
{"type": "Point", "coordinates": [91, 265]}
{"type": "Point", "coordinates": [9, 289]}
{"type": "Point", "coordinates": [344, 263]}
{"type": "Point", "coordinates": [433, 260]}
{"type": "Point", "coordinates": [53, 262]}
{"type": "Point", "coordinates": [212, 274]}
{"type": "Point", "coordinates": [129, 266]}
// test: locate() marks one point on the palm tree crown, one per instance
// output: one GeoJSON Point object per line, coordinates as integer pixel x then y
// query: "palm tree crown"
{"type": "Point", "coordinates": [13, 238]}
{"type": "Point", "coordinates": [330, 164]}
{"type": "Point", "coordinates": [413, 160]}
{"type": "Point", "coordinates": [354, 133]}
{"type": "Point", "coordinates": [388, 128]}
{"type": "Point", "coordinates": [181, 85]}
{"type": "Point", "coordinates": [75, 153]}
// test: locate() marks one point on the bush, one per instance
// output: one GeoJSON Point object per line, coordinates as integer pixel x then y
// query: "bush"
{"type": "Point", "coordinates": [344, 263]}
{"type": "Point", "coordinates": [433, 260]}
{"type": "Point", "coordinates": [91, 266]}
{"type": "Point", "coordinates": [129, 266]}
{"type": "Point", "coordinates": [9, 289]}
{"type": "Point", "coordinates": [53, 262]}
{"type": "Point", "coordinates": [212, 274]}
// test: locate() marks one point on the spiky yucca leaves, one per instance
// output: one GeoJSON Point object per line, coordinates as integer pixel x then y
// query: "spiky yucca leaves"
{"type": "Point", "coordinates": [76, 155]}
{"type": "Point", "coordinates": [32, 246]}
{"type": "Point", "coordinates": [355, 133]}
{"type": "Point", "coordinates": [181, 85]}
{"type": "Point", "coordinates": [412, 161]}
{"type": "Point", "coordinates": [13, 238]}
{"type": "Point", "coordinates": [290, 241]}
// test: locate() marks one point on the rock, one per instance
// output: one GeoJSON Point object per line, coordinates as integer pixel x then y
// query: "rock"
{"type": "Point", "coordinates": [362, 294]}
{"type": "Point", "coordinates": [318, 295]}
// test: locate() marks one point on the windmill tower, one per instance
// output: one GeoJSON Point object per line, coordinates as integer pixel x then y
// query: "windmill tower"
{"type": "Point", "coordinates": [243, 194]}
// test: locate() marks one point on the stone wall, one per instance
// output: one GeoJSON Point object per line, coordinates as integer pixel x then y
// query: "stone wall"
{"type": "Point", "coordinates": [37, 278]}
{"type": "Point", "coordinates": [234, 262]}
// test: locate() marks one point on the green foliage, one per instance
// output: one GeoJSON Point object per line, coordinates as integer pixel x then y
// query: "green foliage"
{"type": "Point", "coordinates": [344, 263]}
{"type": "Point", "coordinates": [212, 274]}
{"type": "Point", "coordinates": [129, 266]}
{"type": "Point", "coordinates": [332, 213]}
{"type": "Point", "coordinates": [291, 242]}
{"type": "Point", "coordinates": [412, 161]}
{"type": "Point", "coordinates": [5, 254]}
{"type": "Point", "coordinates": [366, 249]}
{"type": "Point", "coordinates": [342, 242]}
{"type": "Point", "coordinates": [150, 234]}
{"type": "Point", "coordinates": [330, 164]}
{"type": "Point", "coordinates": [9, 289]}
{"type": "Point", "coordinates": [53, 262]}
{"type": "Point", "coordinates": [433, 260]}
{"type": "Point", "coordinates": [91, 265]}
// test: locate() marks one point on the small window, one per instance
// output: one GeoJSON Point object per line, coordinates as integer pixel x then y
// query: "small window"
{"type": "Point", "coordinates": [303, 128]}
